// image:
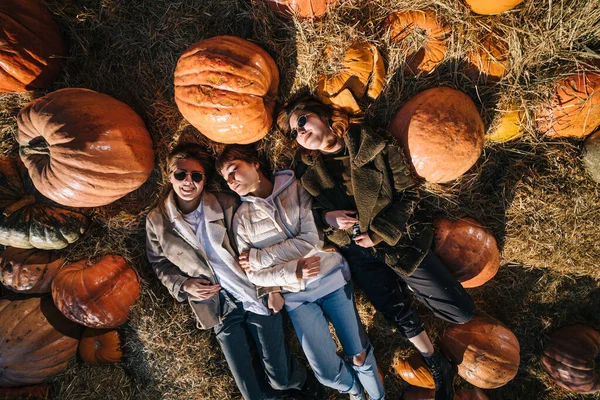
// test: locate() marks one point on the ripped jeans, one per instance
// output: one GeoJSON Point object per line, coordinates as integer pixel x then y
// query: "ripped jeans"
{"type": "Point", "coordinates": [311, 325]}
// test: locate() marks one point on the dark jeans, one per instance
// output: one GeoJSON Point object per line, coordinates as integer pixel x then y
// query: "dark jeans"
{"type": "Point", "coordinates": [275, 370]}
{"type": "Point", "coordinates": [431, 283]}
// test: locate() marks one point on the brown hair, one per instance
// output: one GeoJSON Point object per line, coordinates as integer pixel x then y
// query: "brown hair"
{"type": "Point", "coordinates": [192, 151]}
{"type": "Point", "coordinates": [338, 120]}
{"type": "Point", "coordinates": [243, 152]}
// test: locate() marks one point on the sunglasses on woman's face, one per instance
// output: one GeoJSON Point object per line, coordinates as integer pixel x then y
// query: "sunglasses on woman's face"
{"type": "Point", "coordinates": [301, 122]}
{"type": "Point", "coordinates": [196, 176]}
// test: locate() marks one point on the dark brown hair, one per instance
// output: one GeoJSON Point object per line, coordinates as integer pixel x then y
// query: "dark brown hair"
{"type": "Point", "coordinates": [243, 152]}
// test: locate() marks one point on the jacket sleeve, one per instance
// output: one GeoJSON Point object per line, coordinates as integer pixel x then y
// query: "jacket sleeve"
{"type": "Point", "coordinates": [390, 224]}
{"type": "Point", "coordinates": [168, 273]}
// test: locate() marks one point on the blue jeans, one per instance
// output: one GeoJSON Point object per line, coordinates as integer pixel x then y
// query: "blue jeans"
{"type": "Point", "coordinates": [311, 324]}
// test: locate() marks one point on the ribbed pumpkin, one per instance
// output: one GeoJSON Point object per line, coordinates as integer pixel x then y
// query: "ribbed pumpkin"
{"type": "Point", "coordinates": [574, 111]}
{"type": "Point", "coordinates": [28, 220]}
{"type": "Point", "coordinates": [591, 155]}
{"type": "Point", "coordinates": [507, 125]}
{"type": "Point", "coordinates": [468, 249]}
{"type": "Point", "coordinates": [100, 346]}
{"type": "Point", "coordinates": [414, 371]}
{"type": "Point", "coordinates": [421, 36]}
{"type": "Point", "coordinates": [301, 8]}
{"type": "Point", "coordinates": [491, 7]}
{"type": "Point", "coordinates": [97, 294]}
{"type": "Point", "coordinates": [36, 341]}
{"type": "Point", "coordinates": [569, 358]}
{"type": "Point", "coordinates": [28, 270]}
{"type": "Point", "coordinates": [488, 59]}
{"type": "Point", "coordinates": [363, 72]}
{"type": "Point", "coordinates": [418, 393]}
{"type": "Point", "coordinates": [32, 46]}
{"type": "Point", "coordinates": [441, 131]}
{"type": "Point", "coordinates": [487, 353]}
{"type": "Point", "coordinates": [36, 392]}
{"type": "Point", "coordinates": [225, 86]}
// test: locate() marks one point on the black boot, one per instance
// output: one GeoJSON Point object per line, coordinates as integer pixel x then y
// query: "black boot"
{"type": "Point", "coordinates": [443, 376]}
{"type": "Point", "coordinates": [313, 389]}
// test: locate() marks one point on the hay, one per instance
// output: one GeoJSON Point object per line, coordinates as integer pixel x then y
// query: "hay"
{"type": "Point", "coordinates": [533, 193]}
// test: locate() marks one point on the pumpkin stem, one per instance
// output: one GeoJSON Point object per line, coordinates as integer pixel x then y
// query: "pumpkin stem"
{"type": "Point", "coordinates": [38, 145]}
{"type": "Point", "coordinates": [25, 201]}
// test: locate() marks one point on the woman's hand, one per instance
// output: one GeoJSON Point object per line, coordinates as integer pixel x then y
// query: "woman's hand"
{"type": "Point", "coordinates": [341, 219]}
{"type": "Point", "coordinates": [308, 267]}
{"type": "Point", "coordinates": [364, 240]}
{"type": "Point", "coordinates": [244, 260]}
{"type": "Point", "coordinates": [275, 301]}
{"type": "Point", "coordinates": [199, 288]}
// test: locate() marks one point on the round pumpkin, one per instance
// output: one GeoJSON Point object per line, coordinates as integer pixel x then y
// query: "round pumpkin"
{"type": "Point", "coordinates": [569, 358]}
{"type": "Point", "coordinates": [468, 249]}
{"type": "Point", "coordinates": [83, 148]}
{"type": "Point", "coordinates": [591, 156]}
{"type": "Point", "coordinates": [301, 8]}
{"type": "Point", "coordinates": [96, 294]}
{"type": "Point", "coordinates": [491, 7]}
{"type": "Point", "coordinates": [225, 86]}
{"type": "Point", "coordinates": [35, 392]}
{"type": "Point", "coordinates": [488, 59]}
{"type": "Point", "coordinates": [32, 46]}
{"type": "Point", "coordinates": [28, 220]}
{"type": "Point", "coordinates": [487, 353]}
{"type": "Point", "coordinates": [414, 371]}
{"type": "Point", "coordinates": [507, 125]}
{"type": "Point", "coordinates": [574, 110]}
{"type": "Point", "coordinates": [100, 346]}
{"type": "Point", "coordinates": [36, 341]}
{"type": "Point", "coordinates": [419, 393]}
{"type": "Point", "coordinates": [28, 270]}
{"type": "Point", "coordinates": [422, 38]}
{"type": "Point", "coordinates": [441, 131]}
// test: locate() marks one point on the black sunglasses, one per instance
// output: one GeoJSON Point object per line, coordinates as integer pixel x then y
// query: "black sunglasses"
{"type": "Point", "coordinates": [301, 122]}
{"type": "Point", "coordinates": [196, 176]}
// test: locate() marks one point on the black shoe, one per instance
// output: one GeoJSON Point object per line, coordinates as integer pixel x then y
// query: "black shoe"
{"type": "Point", "coordinates": [443, 376]}
{"type": "Point", "coordinates": [313, 389]}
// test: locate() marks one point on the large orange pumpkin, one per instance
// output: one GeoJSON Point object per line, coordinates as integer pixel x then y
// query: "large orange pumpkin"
{"type": "Point", "coordinates": [32, 46]}
{"type": "Point", "coordinates": [96, 294]}
{"type": "Point", "coordinates": [489, 58]}
{"type": "Point", "coordinates": [574, 110]}
{"type": "Point", "coordinates": [570, 357]}
{"type": "Point", "coordinates": [414, 371]}
{"type": "Point", "coordinates": [36, 392]}
{"type": "Point", "coordinates": [225, 86]}
{"type": "Point", "coordinates": [491, 7]}
{"type": "Point", "coordinates": [83, 148]}
{"type": "Point", "coordinates": [301, 8]}
{"type": "Point", "coordinates": [468, 249]}
{"type": "Point", "coordinates": [36, 341]}
{"type": "Point", "coordinates": [28, 271]}
{"type": "Point", "coordinates": [487, 353]}
{"type": "Point", "coordinates": [100, 346]}
{"type": "Point", "coordinates": [441, 131]}
{"type": "Point", "coordinates": [422, 38]}
{"type": "Point", "coordinates": [418, 393]}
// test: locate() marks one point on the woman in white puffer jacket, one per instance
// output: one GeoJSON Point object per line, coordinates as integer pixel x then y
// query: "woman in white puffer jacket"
{"type": "Point", "coordinates": [280, 245]}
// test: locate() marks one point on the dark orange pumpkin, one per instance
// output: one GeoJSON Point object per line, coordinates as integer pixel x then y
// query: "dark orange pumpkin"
{"type": "Point", "coordinates": [441, 131]}
{"type": "Point", "coordinates": [574, 111]}
{"type": "Point", "coordinates": [487, 353]}
{"type": "Point", "coordinates": [96, 294]}
{"type": "Point", "coordinates": [36, 392]}
{"type": "Point", "coordinates": [569, 358]}
{"type": "Point", "coordinates": [414, 371]}
{"type": "Point", "coordinates": [36, 341]}
{"type": "Point", "coordinates": [26, 219]}
{"type": "Point", "coordinates": [32, 46]}
{"type": "Point", "coordinates": [100, 346]}
{"type": "Point", "coordinates": [83, 148]}
{"type": "Point", "coordinates": [28, 271]}
{"type": "Point", "coordinates": [301, 8]}
{"type": "Point", "coordinates": [225, 86]}
{"type": "Point", "coordinates": [468, 249]}
{"type": "Point", "coordinates": [488, 59]}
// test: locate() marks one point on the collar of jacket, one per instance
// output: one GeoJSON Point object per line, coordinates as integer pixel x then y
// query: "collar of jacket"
{"type": "Point", "coordinates": [212, 210]}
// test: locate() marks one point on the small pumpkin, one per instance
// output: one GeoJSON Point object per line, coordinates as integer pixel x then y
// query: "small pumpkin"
{"type": "Point", "coordinates": [468, 249]}
{"type": "Point", "coordinates": [100, 346]}
{"type": "Point", "coordinates": [506, 126]}
{"type": "Point", "coordinates": [487, 353]}
{"type": "Point", "coordinates": [301, 8]}
{"type": "Point", "coordinates": [591, 156]}
{"type": "Point", "coordinates": [441, 132]}
{"type": "Point", "coordinates": [32, 46]}
{"type": "Point", "coordinates": [36, 341]}
{"type": "Point", "coordinates": [35, 392]}
{"type": "Point", "coordinates": [418, 393]}
{"type": "Point", "coordinates": [363, 72]}
{"type": "Point", "coordinates": [487, 7]}
{"type": "Point", "coordinates": [96, 294]}
{"type": "Point", "coordinates": [28, 220]}
{"type": "Point", "coordinates": [488, 59]}
{"type": "Point", "coordinates": [414, 371]}
{"type": "Point", "coordinates": [83, 148]}
{"type": "Point", "coordinates": [574, 109]}
{"type": "Point", "coordinates": [28, 270]}
{"type": "Point", "coordinates": [422, 37]}
{"type": "Point", "coordinates": [225, 87]}
{"type": "Point", "coordinates": [569, 358]}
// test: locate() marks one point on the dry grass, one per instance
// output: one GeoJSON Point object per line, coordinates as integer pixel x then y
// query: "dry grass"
{"type": "Point", "coordinates": [533, 193]}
